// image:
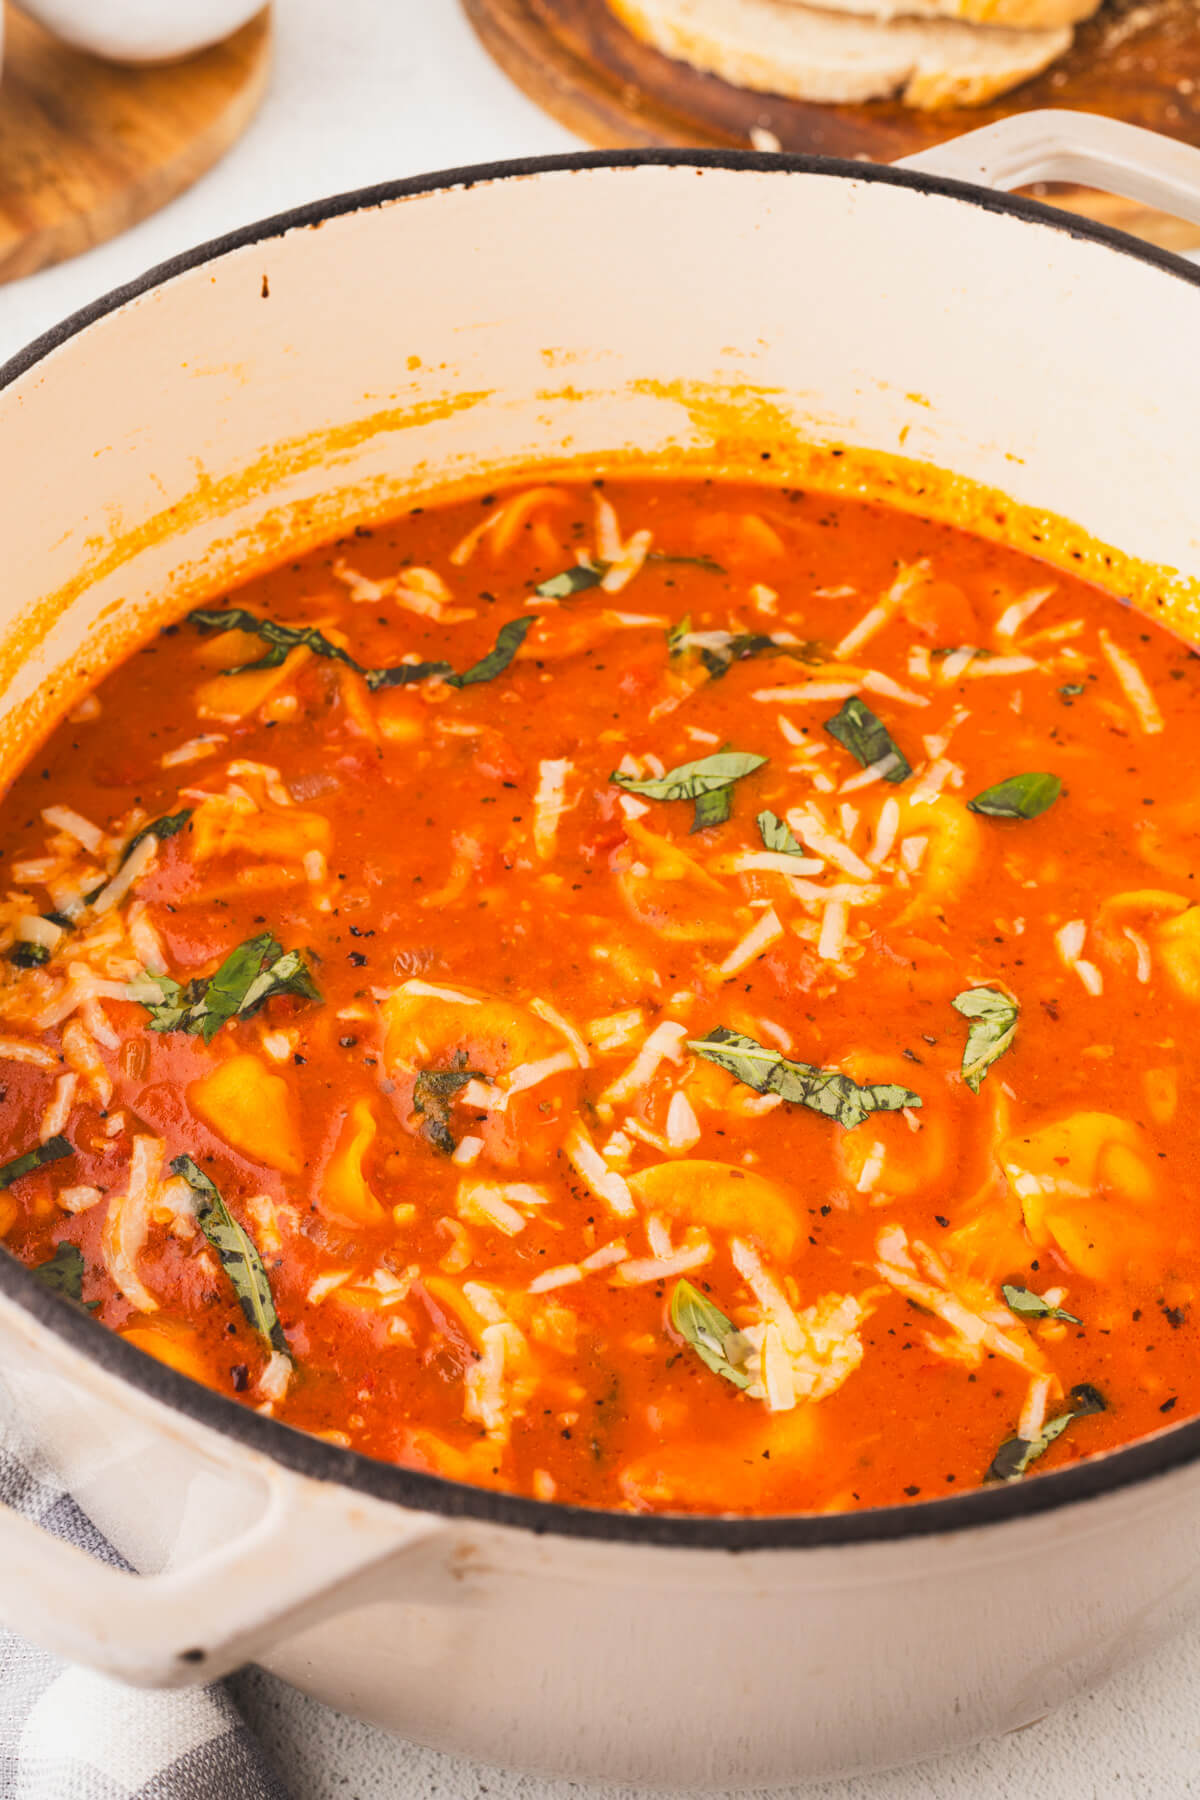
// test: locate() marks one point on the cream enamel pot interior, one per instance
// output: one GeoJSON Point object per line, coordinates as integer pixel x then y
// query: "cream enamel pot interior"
{"type": "Point", "coordinates": [320, 368]}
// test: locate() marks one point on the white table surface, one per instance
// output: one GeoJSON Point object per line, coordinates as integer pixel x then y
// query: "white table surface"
{"type": "Point", "coordinates": [365, 90]}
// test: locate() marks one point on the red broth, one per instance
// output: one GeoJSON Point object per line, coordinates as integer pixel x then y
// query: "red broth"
{"type": "Point", "coordinates": [669, 995]}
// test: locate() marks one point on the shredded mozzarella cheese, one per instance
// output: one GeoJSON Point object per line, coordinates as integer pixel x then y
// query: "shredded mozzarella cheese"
{"type": "Point", "coordinates": [886, 829]}
{"type": "Point", "coordinates": [759, 938]}
{"type": "Point", "coordinates": [683, 1127]}
{"type": "Point", "coordinates": [608, 532]}
{"type": "Point", "coordinates": [665, 1044]}
{"type": "Point", "coordinates": [274, 1381]}
{"type": "Point", "coordinates": [145, 940]}
{"type": "Point", "coordinates": [876, 771]}
{"type": "Point", "coordinates": [624, 567]}
{"type": "Point", "coordinates": [1133, 684]}
{"type": "Point", "coordinates": [127, 1223]}
{"type": "Point", "coordinates": [954, 664]}
{"type": "Point", "coordinates": [974, 1333]}
{"type": "Point", "coordinates": [1069, 941]}
{"type": "Point", "coordinates": [883, 612]}
{"type": "Point", "coordinates": [591, 1168]}
{"type": "Point", "coordinates": [983, 666]}
{"type": "Point", "coordinates": [54, 1119]}
{"type": "Point", "coordinates": [615, 1030]}
{"type": "Point", "coordinates": [1033, 1412]}
{"type": "Point", "coordinates": [549, 804]}
{"type": "Point", "coordinates": [875, 682]}
{"type": "Point", "coordinates": [327, 1284]}
{"type": "Point", "coordinates": [79, 1199]}
{"type": "Point", "coordinates": [1142, 950]}
{"type": "Point", "coordinates": [832, 940]}
{"type": "Point", "coordinates": [20, 1050]}
{"type": "Point", "coordinates": [467, 1151]}
{"type": "Point", "coordinates": [193, 749]}
{"type": "Point", "coordinates": [639, 1271]}
{"type": "Point", "coordinates": [133, 868]}
{"type": "Point", "coordinates": [31, 928]}
{"type": "Point", "coordinates": [806, 691]}
{"type": "Point", "coordinates": [1019, 612]}
{"type": "Point", "coordinates": [552, 1016]}
{"type": "Point", "coordinates": [498, 1202]}
{"type": "Point", "coordinates": [556, 1278]}
{"type": "Point", "coordinates": [766, 862]}
{"type": "Point", "coordinates": [932, 782]}
{"type": "Point", "coordinates": [426, 990]}
{"type": "Point", "coordinates": [810, 828]}
{"type": "Point", "coordinates": [63, 818]}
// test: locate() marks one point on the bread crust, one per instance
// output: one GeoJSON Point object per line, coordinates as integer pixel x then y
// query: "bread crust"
{"type": "Point", "coordinates": [1019, 15]}
{"type": "Point", "coordinates": [804, 53]}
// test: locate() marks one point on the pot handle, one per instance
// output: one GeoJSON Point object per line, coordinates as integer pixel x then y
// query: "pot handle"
{"type": "Point", "coordinates": [1057, 145]}
{"type": "Point", "coordinates": [312, 1549]}
{"type": "Point", "coordinates": [197, 1623]}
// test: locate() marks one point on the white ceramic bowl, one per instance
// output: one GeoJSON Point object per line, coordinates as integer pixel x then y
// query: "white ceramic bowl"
{"type": "Point", "coordinates": [142, 31]}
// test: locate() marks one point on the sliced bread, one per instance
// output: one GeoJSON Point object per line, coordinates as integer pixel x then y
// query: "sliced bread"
{"type": "Point", "coordinates": [1023, 15]}
{"type": "Point", "coordinates": [780, 47]}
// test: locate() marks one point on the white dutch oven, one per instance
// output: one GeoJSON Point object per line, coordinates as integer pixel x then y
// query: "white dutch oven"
{"type": "Point", "coordinates": [318, 368]}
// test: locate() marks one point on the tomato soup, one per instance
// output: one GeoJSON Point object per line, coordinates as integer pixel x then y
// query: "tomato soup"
{"type": "Point", "coordinates": [653, 994]}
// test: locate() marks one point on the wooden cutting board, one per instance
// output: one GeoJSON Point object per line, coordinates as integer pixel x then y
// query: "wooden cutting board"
{"type": "Point", "coordinates": [87, 148]}
{"type": "Point", "coordinates": [1137, 60]}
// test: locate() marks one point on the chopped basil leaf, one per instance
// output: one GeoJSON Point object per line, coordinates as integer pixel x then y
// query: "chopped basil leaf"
{"type": "Point", "coordinates": [707, 782]}
{"type": "Point", "coordinates": [689, 780]}
{"type": "Point", "coordinates": [27, 955]}
{"type": "Point", "coordinates": [1014, 1456]}
{"type": "Point", "coordinates": [51, 1151]}
{"type": "Point", "coordinates": [714, 1338]}
{"type": "Point", "coordinates": [712, 808]}
{"type": "Point", "coordinates": [777, 835]}
{"type": "Point", "coordinates": [287, 974]}
{"type": "Point", "coordinates": [572, 581]}
{"type": "Point", "coordinates": [867, 739]}
{"type": "Point", "coordinates": [993, 1023]}
{"type": "Point", "coordinates": [1072, 690]}
{"type": "Point", "coordinates": [825, 1091]}
{"type": "Point", "coordinates": [63, 1274]}
{"type": "Point", "coordinates": [718, 658]}
{"type": "Point", "coordinates": [280, 638]}
{"type": "Point", "coordinates": [509, 639]}
{"type": "Point", "coordinates": [677, 634]}
{"type": "Point", "coordinates": [945, 650]}
{"type": "Point", "coordinates": [719, 650]}
{"type": "Point", "coordinates": [168, 1001]}
{"type": "Point", "coordinates": [694, 562]}
{"type": "Point", "coordinates": [404, 674]}
{"type": "Point", "coordinates": [163, 828]}
{"type": "Point", "coordinates": [1031, 1306]}
{"type": "Point", "coordinates": [249, 976]}
{"type": "Point", "coordinates": [433, 1092]}
{"type": "Point", "coordinates": [238, 1253]}
{"type": "Point", "coordinates": [1020, 797]}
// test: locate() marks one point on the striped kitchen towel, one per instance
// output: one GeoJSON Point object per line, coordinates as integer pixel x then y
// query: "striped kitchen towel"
{"type": "Point", "coordinates": [66, 1734]}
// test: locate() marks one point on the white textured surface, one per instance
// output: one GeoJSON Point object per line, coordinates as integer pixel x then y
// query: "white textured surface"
{"type": "Point", "coordinates": [365, 90]}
